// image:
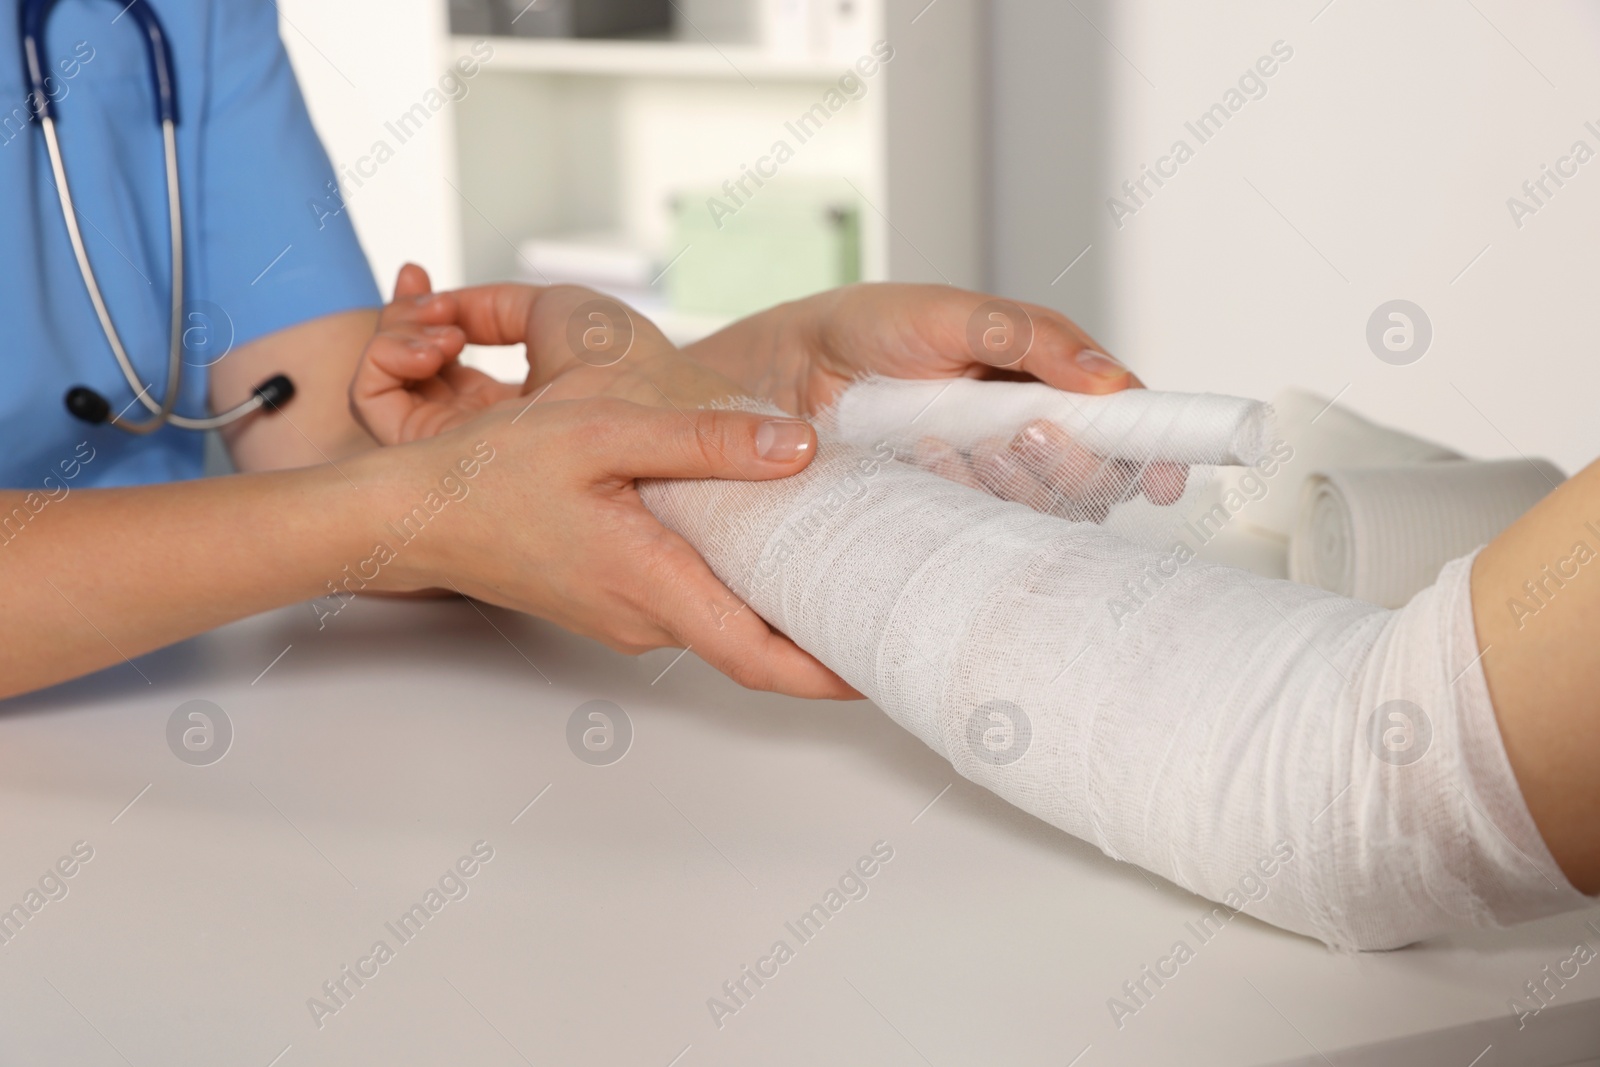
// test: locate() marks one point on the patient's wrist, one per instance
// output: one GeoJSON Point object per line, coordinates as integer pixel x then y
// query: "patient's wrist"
{"type": "Point", "coordinates": [765, 354]}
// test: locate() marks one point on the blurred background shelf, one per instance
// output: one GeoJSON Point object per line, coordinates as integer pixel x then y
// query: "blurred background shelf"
{"type": "Point", "coordinates": [990, 150]}
{"type": "Point", "coordinates": [736, 154]}
{"type": "Point", "coordinates": [653, 58]}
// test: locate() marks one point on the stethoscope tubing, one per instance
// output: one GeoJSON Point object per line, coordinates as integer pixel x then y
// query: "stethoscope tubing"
{"type": "Point", "coordinates": [35, 13]}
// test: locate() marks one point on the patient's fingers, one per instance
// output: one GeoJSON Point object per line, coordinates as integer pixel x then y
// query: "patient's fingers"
{"type": "Point", "coordinates": [1060, 478]}
{"type": "Point", "coordinates": [945, 460]}
{"type": "Point", "coordinates": [1002, 472]}
{"type": "Point", "coordinates": [1077, 481]}
{"type": "Point", "coordinates": [1164, 483]}
{"type": "Point", "coordinates": [1064, 356]}
{"type": "Point", "coordinates": [1044, 468]}
{"type": "Point", "coordinates": [1079, 474]}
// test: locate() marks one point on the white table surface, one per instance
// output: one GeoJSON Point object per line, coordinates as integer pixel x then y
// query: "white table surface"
{"type": "Point", "coordinates": [374, 753]}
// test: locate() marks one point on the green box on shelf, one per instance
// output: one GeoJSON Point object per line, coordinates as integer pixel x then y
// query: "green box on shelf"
{"type": "Point", "coordinates": [781, 243]}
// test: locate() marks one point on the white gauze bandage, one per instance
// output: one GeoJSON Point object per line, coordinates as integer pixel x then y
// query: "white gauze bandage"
{"type": "Point", "coordinates": [1066, 454]}
{"type": "Point", "coordinates": [1321, 763]}
{"type": "Point", "coordinates": [1183, 428]}
{"type": "Point", "coordinates": [1382, 533]}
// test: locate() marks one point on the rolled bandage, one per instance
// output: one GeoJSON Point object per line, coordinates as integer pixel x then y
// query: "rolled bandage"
{"type": "Point", "coordinates": [1339, 761]}
{"type": "Point", "coordinates": [1136, 425]}
{"type": "Point", "coordinates": [1323, 435]}
{"type": "Point", "coordinates": [1382, 534]}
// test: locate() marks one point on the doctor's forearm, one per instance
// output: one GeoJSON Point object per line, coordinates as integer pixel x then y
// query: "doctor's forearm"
{"type": "Point", "coordinates": [320, 357]}
{"type": "Point", "coordinates": [98, 577]}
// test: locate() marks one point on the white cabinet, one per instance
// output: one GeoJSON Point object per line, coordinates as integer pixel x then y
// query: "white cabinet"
{"type": "Point", "coordinates": [555, 137]}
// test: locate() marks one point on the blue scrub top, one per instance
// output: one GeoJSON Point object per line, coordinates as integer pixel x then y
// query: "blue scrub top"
{"type": "Point", "coordinates": [266, 245]}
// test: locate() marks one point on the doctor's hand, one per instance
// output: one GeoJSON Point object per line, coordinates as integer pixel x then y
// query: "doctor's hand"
{"type": "Point", "coordinates": [553, 526]}
{"type": "Point", "coordinates": [801, 355]}
{"type": "Point", "coordinates": [410, 383]}
{"type": "Point", "coordinates": [537, 511]}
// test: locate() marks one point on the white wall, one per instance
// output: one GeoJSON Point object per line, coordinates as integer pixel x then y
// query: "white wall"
{"type": "Point", "coordinates": [1383, 152]}
{"type": "Point", "coordinates": [1386, 147]}
{"type": "Point", "coordinates": [362, 65]}
{"type": "Point", "coordinates": [1048, 115]}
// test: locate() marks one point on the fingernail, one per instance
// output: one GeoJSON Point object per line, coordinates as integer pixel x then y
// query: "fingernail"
{"type": "Point", "coordinates": [783, 440]}
{"type": "Point", "coordinates": [1099, 364]}
{"type": "Point", "coordinates": [1035, 438]}
{"type": "Point", "coordinates": [1002, 475]}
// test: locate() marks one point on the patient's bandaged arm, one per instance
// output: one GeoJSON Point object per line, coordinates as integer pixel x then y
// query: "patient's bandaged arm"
{"type": "Point", "coordinates": [1214, 724]}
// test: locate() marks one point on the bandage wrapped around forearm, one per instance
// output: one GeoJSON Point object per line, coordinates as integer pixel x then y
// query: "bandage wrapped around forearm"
{"type": "Point", "coordinates": [1203, 723]}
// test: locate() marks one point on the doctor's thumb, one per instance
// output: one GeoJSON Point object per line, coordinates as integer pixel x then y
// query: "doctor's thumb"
{"type": "Point", "coordinates": [737, 445]}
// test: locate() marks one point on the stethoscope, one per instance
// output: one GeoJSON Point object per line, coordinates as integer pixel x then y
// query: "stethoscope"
{"type": "Point", "coordinates": [83, 402]}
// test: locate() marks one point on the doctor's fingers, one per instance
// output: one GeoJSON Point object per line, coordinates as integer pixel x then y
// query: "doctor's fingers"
{"type": "Point", "coordinates": [621, 577]}
{"type": "Point", "coordinates": [492, 314]}
{"type": "Point", "coordinates": [616, 441]}
{"type": "Point", "coordinates": [420, 391]}
{"type": "Point", "coordinates": [415, 303]}
{"type": "Point", "coordinates": [571, 325]}
{"type": "Point", "coordinates": [411, 282]}
{"type": "Point", "coordinates": [415, 353]}
{"type": "Point", "coordinates": [560, 324]}
{"type": "Point", "coordinates": [397, 373]}
{"type": "Point", "coordinates": [702, 615]}
{"type": "Point", "coordinates": [495, 314]}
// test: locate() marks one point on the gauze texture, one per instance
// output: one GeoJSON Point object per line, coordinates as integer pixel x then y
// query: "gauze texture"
{"type": "Point", "coordinates": [1137, 424]}
{"type": "Point", "coordinates": [1071, 455]}
{"type": "Point", "coordinates": [1220, 728]}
